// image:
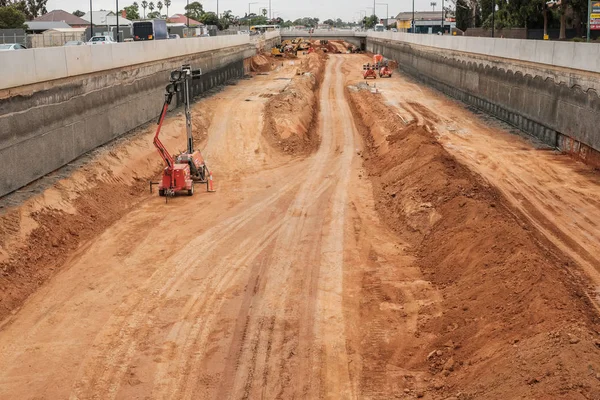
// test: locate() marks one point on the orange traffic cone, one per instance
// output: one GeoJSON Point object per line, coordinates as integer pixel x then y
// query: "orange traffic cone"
{"type": "Point", "coordinates": [210, 183]}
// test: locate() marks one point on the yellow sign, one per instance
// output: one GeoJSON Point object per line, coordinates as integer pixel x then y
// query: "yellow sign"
{"type": "Point", "coordinates": [595, 16]}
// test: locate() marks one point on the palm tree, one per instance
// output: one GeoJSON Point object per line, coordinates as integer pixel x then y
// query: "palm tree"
{"type": "Point", "coordinates": [159, 5]}
{"type": "Point", "coordinates": [144, 5]}
{"type": "Point", "coordinates": [151, 6]}
{"type": "Point", "coordinates": [168, 4]}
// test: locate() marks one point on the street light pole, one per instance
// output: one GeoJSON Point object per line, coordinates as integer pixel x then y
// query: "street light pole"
{"type": "Point", "coordinates": [117, 21]}
{"type": "Point", "coordinates": [442, 17]}
{"type": "Point", "coordinates": [187, 14]}
{"type": "Point", "coordinates": [91, 20]}
{"type": "Point", "coordinates": [493, 16]}
{"type": "Point", "coordinates": [413, 19]}
{"type": "Point", "coordinates": [589, 21]}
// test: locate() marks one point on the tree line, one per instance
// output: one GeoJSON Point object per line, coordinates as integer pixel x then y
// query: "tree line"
{"type": "Point", "coordinates": [532, 14]}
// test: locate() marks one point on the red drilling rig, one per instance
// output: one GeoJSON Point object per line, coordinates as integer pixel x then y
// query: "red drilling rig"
{"type": "Point", "coordinates": [188, 167]}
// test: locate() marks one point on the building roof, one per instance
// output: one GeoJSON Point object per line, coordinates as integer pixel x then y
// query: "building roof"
{"type": "Point", "coordinates": [45, 25]}
{"type": "Point", "coordinates": [182, 19]}
{"type": "Point", "coordinates": [420, 15]}
{"type": "Point", "coordinates": [66, 30]}
{"type": "Point", "coordinates": [105, 18]}
{"type": "Point", "coordinates": [61, 15]}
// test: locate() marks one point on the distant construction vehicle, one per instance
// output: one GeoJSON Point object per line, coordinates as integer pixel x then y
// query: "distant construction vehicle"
{"type": "Point", "coordinates": [369, 71]}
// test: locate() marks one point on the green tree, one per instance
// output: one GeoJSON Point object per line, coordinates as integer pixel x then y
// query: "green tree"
{"type": "Point", "coordinates": [132, 12]}
{"type": "Point", "coordinates": [153, 15]}
{"type": "Point", "coordinates": [167, 4]}
{"type": "Point", "coordinates": [159, 6]}
{"type": "Point", "coordinates": [78, 13]}
{"type": "Point", "coordinates": [151, 6]}
{"type": "Point", "coordinates": [144, 4]}
{"type": "Point", "coordinates": [11, 18]}
{"type": "Point", "coordinates": [36, 8]}
{"type": "Point", "coordinates": [209, 18]}
{"type": "Point", "coordinates": [463, 15]}
{"type": "Point", "coordinates": [371, 21]}
{"type": "Point", "coordinates": [226, 19]}
{"type": "Point", "coordinates": [329, 22]}
{"type": "Point", "coordinates": [194, 10]}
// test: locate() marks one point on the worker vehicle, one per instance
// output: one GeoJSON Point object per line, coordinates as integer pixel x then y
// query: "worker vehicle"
{"type": "Point", "coordinates": [155, 29]}
{"type": "Point", "coordinates": [369, 71]}
{"type": "Point", "coordinates": [385, 70]}
{"type": "Point", "coordinates": [188, 167]}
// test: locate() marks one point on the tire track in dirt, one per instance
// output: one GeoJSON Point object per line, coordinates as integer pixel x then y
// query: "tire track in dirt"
{"type": "Point", "coordinates": [132, 314]}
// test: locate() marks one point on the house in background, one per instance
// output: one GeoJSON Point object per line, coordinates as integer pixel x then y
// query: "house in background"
{"type": "Point", "coordinates": [425, 22]}
{"type": "Point", "coordinates": [42, 26]}
{"type": "Point", "coordinates": [62, 16]}
{"type": "Point", "coordinates": [182, 19]}
{"type": "Point", "coordinates": [105, 18]}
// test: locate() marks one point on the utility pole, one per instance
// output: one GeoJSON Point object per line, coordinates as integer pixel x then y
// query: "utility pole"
{"type": "Point", "coordinates": [589, 21]}
{"type": "Point", "coordinates": [442, 17]}
{"type": "Point", "coordinates": [374, 22]}
{"type": "Point", "coordinates": [270, 16]}
{"type": "Point", "coordinates": [413, 19]}
{"type": "Point", "coordinates": [387, 9]}
{"type": "Point", "coordinates": [493, 16]}
{"type": "Point", "coordinates": [117, 21]}
{"type": "Point", "coordinates": [91, 20]}
{"type": "Point", "coordinates": [187, 14]}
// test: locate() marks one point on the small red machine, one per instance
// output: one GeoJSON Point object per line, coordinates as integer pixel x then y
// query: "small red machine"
{"type": "Point", "coordinates": [377, 59]}
{"type": "Point", "coordinates": [369, 71]}
{"type": "Point", "coordinates": [188, 167]}
{"type": "Point", "coordinates": [385, 70]}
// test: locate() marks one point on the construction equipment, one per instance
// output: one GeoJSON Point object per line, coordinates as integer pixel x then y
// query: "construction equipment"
{"type": "Point", "coordinates": [369, 71]}
{"type": "Point", "coordinates": [377, 59]}
{"type": "Point", "coordinates": [277, 51]}
{"type": "Point", "coordinates": [187, 167]}
{"type": "Point", "coordinates": [385, 70]}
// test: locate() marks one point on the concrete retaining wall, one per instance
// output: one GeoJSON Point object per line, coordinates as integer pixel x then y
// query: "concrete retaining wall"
{"type": "Point", "coordinates": [579, 56]}
{"type": "Point", "coordinates": [563, 116]}
{"type": "Point", "coordinates": [48, 124]}
{"type": "Point", "coordinates": [46, 64]}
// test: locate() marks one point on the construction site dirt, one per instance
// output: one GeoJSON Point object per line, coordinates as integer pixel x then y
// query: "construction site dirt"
{"type": "Point", "coordinates": [364, 242]}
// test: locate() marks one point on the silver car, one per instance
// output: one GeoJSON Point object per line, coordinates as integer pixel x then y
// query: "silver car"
{"type": "Point", "coordinates": [101, 40]}
{"type": "Point", "coordinates": [12, 46]}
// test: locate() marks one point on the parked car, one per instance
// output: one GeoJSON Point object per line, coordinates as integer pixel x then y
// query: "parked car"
{"type": "Point", "coordinates": [174, 36]}
{"type": "Point", "coordinates": [394, 30]}
{"type": "Point", "coordinates": [101, 40]}
{"type": "Point", "coordinates": [12, 46]}
{"type": "Point", "coordinates": [74, 43]}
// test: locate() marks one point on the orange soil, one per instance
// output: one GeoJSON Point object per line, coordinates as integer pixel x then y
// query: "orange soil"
{"type": "Point", "coordinates": [513, 323]}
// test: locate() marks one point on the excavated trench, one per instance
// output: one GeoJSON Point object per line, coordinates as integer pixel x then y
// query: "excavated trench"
{"type": "Point", "coordinates": [347, 253]}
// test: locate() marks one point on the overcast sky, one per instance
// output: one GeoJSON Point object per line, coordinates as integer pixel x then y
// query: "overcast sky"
{"type": "Point", "coordinates": [286, 9]}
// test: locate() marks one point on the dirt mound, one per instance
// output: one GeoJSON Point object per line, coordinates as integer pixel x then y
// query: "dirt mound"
{"type": "Point", "coordinates": [261, 63]}
{"type": "Point", "coordinates": [37, 237]}
{"type": "Point", "coordinates": [514, 321]}
{"type": "Point", "coordinates": [291, 115]}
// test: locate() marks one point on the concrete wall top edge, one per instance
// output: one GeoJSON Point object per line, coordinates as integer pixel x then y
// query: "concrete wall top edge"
{"type": "Point", "coordinates": [579, 56]}
{"type": "Point", "coordinates": [26, 67]}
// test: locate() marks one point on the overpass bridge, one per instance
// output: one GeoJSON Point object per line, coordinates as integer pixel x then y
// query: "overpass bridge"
{"type": "Point", "coordinates": [358, 39]}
